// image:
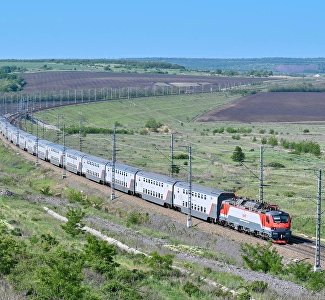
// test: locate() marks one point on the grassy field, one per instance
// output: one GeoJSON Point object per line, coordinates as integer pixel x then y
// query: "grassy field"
{"type": "Point", "coordinates": [212, 164]}
{"type": "Point", "coordinates": [27, 224]}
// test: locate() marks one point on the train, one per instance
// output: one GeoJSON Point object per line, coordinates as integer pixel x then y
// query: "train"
{"type": "Point", "coordinates": [209, 204]}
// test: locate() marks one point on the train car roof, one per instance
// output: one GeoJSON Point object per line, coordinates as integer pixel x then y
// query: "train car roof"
{"type": "Point", "coordinates": [45, 142]}
{"type": "Point", "coordinates": [201, 189]}
{"type": "Point", "coordinates": [97, 159]}
{"type": "Point", "coordinates": [76, 152]}
{"type": "Point", "coordinates": [126, 168]}
{"type": "Point", "coordinates": [156, 176]}
{"type": "Point", "coordinates": [57, 146]}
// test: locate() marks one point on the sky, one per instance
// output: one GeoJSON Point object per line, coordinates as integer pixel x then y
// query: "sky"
{"type": "Point", "coordinates": [170, 28]}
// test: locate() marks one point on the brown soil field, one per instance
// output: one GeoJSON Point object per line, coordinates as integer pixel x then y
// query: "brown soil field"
{"type": "Point", "coordinates": [49, 81]}
{"type": "Point", "coordinates": [272, 107]}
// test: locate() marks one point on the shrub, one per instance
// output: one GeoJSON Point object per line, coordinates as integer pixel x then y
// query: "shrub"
{"type": "Point", "coordinates": [254, 139]}
{"type": "Point", "coordinates": [191, 289]}
{"type": "Point", "coordinates": [153, 124]}
{"type": "Point", "coordinates": [181, 156]}
{"type": "Point", "coordinates": [258, 286]}
{"type": "Point", "coordinates": [316, 281]}
{"type": "Point", "coordinates": [46, 190]}
{"type": "Point", "coordinates": [289, 194]}
{"type": "Point", "coordinates": [275, 165]}
{"type": "Point", "coordinates": [160, 262]}
{"type": "Point", "coordinates": [74, 225]}
{"type": "Point", "coordinates": [238, 154]}
{"type": "Point", "coordinates": [306, 130]}
{"type": "Point", "coordinates": [273, 141]}
{"type": "Point", "coordinates": [263, 141]}
{"type": "Point", "coordinates": [76, 196]}
{"type": "Point", "coordinates": [262, 131]}
{"type": "Point", "coordinates": [136, 218]}
{"type": "Point", "coordinates": [262, 258]}
{"type": "Point", "coordinates": [219, 130]}
{"type": "Point", "coordinates": [235, 137]}
{"type": "Point", "coordinates": [271, 131]}
{"type": "Point", "coordinates": [301, 270]}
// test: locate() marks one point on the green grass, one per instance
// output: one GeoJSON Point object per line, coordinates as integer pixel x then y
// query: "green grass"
{"type": "Point", "coordinates": [212, 164]}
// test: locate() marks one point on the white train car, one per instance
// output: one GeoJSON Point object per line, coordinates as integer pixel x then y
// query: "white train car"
{"type": "Point", "coordinates": [206, 202]}
{"type": "Point", "coordinates": [55, 155]}
{"type": "Point", "coordinates": [23, 136]}
{"type": "Point", "coordinates": [15, 136]}
{"type": "Point", "coordinates": [124, 177]}
{"type": "Point", "coordinates": [155, 188]}
{"type": "Point", "coordinates": [73, 161]}
{"type": "Point", "coordinates": [94, 168]}
{"type": "Point", "coordinates": [31, 144]}
{"type": "Point", "coordinates": [44, 149]}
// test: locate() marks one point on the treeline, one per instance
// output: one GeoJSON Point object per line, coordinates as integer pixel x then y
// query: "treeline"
{"type": "Point", "coordinates": [95, 130]}
{"type": "Point", "coordinates": [297, 88]}
{"type": "Point", "coordinates": [302, 147]}
{"type": "Point", "coordinates": [10, 82]}
{"type": "Point", "coordinates": [146, 64]}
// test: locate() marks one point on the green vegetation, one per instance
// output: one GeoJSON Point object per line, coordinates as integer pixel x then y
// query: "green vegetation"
{"type": "Point", "coordinates": [304, 87]}
{"type": "Point", "coordinates": [302, 147]}
{"type": "Point", "coordinates": [10, 82]}
{"type": "Point", "coordinates": [238, 154]}
{"type": "Point", "coordinates": [266, 259]}
{"type": "Point", "coordinates": [95, 130]}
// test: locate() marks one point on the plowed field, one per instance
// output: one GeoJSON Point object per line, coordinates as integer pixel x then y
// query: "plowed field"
{"type": "Point", "coordinates": [49, 81]}
{"type": "Point", "coordinates": [272, 107]}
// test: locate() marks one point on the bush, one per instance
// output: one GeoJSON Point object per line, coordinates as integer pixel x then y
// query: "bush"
{"type": "Point", "coordinates": [306, 131]}
{"type": "Point", "coordinates": [263, 141]}
{"type": "Point", "coordinates": [191, 289]}
{"type": "Point", "coordinates": [136, 218]}
{"type": "Point", "coordinates": [254, 139]}
{"type": "Point", "coordinates": [262, 258]}
{"type": "Point", "coordinates": [262, 131]}
{"type": "Point", "coordinates": [258, 286]}
{"type": "Point", "coordinates": [153, 124]}
{"type": "Point", "coordinates": [238, 154]}
{"type": "Point", "coordinates": [181, 156]}
{"type": "Point", "coordinates": [275, 165]}
{"type": "Point", "coordinates": [219, 130]}
{"type": "Point", "coordinates": [302, 147]}
{"type": "Point", "coordinates": [301, 270]}
{"type": "Point", "coordinates": [273, 141]}
{"type": "Point", "coordinates": [289, 194]}
{"type": "Point", "coordinates": [46, 190]}
{"type": "Point", "coordinates": [316, 281]}
{"type": "Point", "coordinates": [236, 137]}
{"type": "Point", "coordinates": [271, 131]}
{"type": "Point", "coordinates": [74, 225]}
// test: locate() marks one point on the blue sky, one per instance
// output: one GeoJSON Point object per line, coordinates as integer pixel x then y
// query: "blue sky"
{"type": "Point", "coordinates": [178, 28]}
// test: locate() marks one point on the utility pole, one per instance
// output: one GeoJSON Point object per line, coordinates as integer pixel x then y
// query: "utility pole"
{"type": "Point", "coordinates": [172, 154]}
{"type": "Point", "coordinates": [80, 138]}
{"type": "Point", "coordinates": [317, 266]}
{"type": "Point", "coordinates": [37, 162]}
{"type": "Point", "coordinates": [113, 163]}
{"type": "Point", "coordinates": [261, 175]}
{"type": "Point", "coordinates": [58, 126]}
{"type": "Point", "coordinates": [64, 172]}
{"type": "Point", "coordinates": [189, 216]}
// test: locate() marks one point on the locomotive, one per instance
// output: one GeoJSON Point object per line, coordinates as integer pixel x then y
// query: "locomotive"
{"type": "Point", "coordinates": [208, 204]}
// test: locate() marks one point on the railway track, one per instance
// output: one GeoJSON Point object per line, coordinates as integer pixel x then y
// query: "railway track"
{"type": "Point", "coordinates": [300, 249]}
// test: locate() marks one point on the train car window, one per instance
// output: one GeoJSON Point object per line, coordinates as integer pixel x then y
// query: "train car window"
{"type": "Point", "coordinates": [162, 185]}
{"type": "Point", "coordinates": [205, 210]}
{"type": "Point", "coordinates": [205, 197]}
{"type": "Point", "coordinates": [267, 219]}
{"type": "Point", "coordinates": [195, 194]}
{"type": "Point", "coordinates": [183, 203]}
{"type": "Point", "coordinates": [192, 206]}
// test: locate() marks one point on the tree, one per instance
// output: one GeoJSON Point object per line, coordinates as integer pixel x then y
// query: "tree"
{"type": "Point", "coordinates": [238, 154]}
{"type": "Point", "coordinates": [61, 276]}
{"type": "Point", "coordinates": [74, 225]}
{"type": "Point", "coordinates": [10, 253]}
{"type": "Point", "coordinates": [262, 258]}
{"type": "Point", "coordinates": [100, 255]}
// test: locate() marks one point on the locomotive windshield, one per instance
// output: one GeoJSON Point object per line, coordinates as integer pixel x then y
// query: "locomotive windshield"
{"type": "Point", "coordinates": [281, 218]}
